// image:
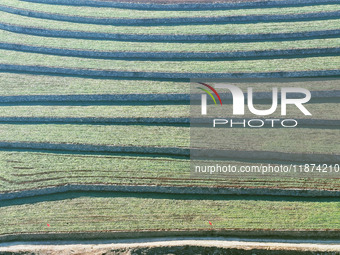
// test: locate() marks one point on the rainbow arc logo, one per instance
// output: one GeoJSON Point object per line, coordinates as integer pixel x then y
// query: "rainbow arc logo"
{"type": "Point", "coordinates": [209, 93]}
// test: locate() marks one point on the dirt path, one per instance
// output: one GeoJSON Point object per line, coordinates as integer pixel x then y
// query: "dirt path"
{"type": "Point", "coordinates": [169, 245]}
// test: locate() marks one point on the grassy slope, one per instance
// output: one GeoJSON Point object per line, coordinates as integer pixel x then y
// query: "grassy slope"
{"type": "Point", "coordinates": [32, 170]}
{"type": "Point", "coordinates": [240, 139]}
{"type": "Point", "coordinates": [134, 213]}
{"type": "Point", "coordinates": [81, 44]}
{"type": "Point", "coordinates": [57, 85]}
{"type": "Point", "coordinates": [25, 170]}
{"type": "Point", "coordinates": [277, 140]}
{"type": "Point", "coordinates": [124, 13]}
{"type": "Point", "coordinates": [253, 28]}
{"type": "Point", "coordinates": [152, 111]}
{"type": "Point", "coordinates": [248, 66]}
{"type": "Point", "coordinates": [93, 134]}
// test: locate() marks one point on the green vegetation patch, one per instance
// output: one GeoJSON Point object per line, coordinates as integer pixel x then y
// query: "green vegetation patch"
{"type": "Point", "coordinates": [26, 84]}
{"type": "Point", "coordinates": [113, 111]}
{"type": "Point", "coordinates": [139, 135]}
{"type": "Point", "coordinates": [151, 111]}
{"type": "Point", "coordinates": [282, 140]}
{"type": "Point", "coordinates": [102, 45]}
{"type": "Point", "coordinates": [128, 13]}
{"type": "Point", "coordinates": [34, 170]}
{"type": "Point", "coordinates": [255, 28]}
{"type": "Point", "coordinates": [248, 66]}
{"type": "Point", "coordinates": [96, 134]}
{"type": "Point", "coordinates": [137, 213]}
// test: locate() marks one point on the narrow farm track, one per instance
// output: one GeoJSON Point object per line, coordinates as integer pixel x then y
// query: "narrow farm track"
{"type": "Point", "coordinates": [175, 244]}
{"type": "Point", "coordinates": [94, 117]}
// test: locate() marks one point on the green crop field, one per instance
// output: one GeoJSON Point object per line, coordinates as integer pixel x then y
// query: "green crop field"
{"type": "Point", "coordinates": [120, 111]}
{"type": "Point", "coordinates": [31, 170]}
{"type": "Point", "coordinates": [279, 27]}
{"type": "Point", "coordinates": [56, 85]}
{"type": "Point", "coordinates": [53, 120]}
{"type": "Point", "coordinates": [298, 64]}
{"type": "Point", "coordinates": [142, 111]}
{"type": "Point", "coordinates": [172, 137]}
{"type": "Point", "coordinates": [102, 45]}
{"type": "Point", "coordinates": [123, 13]}
{"type": "Point", "coordinates": [93, 134]}
{"type": "Point", "coordinates": [80, 214]}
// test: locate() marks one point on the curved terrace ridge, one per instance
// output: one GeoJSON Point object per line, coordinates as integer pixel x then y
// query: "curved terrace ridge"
{"type": "Point", "coordinates": [213, 56]}
{"type": "Point", "coordinates": [160, 75]}
{"type": "Point", "coordinates": [134, 98]}
{"type": "Point", "coordinates": [171, 38]}
{"type": "Point", "coordinates": [170, 152]}
{"type": "Point", "coordinates": [278, 193]}
{"type": "Point", "coordinates": [174, 21]}
{"type": "Point", "coordinates": [186, 6]}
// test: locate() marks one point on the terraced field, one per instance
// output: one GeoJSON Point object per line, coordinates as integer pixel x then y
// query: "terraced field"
{"type": "Point", "coordinates": [94, 116]}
